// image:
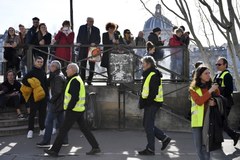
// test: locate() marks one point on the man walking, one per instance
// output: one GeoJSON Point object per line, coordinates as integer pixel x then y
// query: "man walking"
{"type": "Point", "coordinates": [225, 82]}
{"type": "Point", "coordinates": [74, 104]}
{"type": "Point", "coordinates": [151, 100]}
{"type": "Point", "coordinates": [87, 35]}
{"type": "Point", "coordinates": [55, 104]}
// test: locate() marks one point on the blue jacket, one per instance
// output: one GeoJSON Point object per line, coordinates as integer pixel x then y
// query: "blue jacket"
{"type": "Point", "coordinates": [82, 36]}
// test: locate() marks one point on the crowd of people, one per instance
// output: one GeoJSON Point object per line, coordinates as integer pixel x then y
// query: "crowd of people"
{"type": "Point", "coordinates": [61, 96]}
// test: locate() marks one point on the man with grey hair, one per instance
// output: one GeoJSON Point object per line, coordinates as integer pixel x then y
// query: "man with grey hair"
{"type": "Point", "coordinates": [74, 104]}
{"type": "Point", "coordinates": [55, 105]}
{"type": "Point", "coordinates": [88, 34]}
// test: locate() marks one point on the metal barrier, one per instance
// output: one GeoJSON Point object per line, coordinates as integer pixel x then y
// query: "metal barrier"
{"type": "Point", "coordinates": [174, 64]}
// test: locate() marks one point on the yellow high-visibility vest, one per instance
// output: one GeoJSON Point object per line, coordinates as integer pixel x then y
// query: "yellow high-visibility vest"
{"type": "Point", "coordinates": [80, 105]}
{"type": "Point", "coordinates": [197, 111]}
{"type": "Point", "coordinates": [222, 77]}
{"type": "Point", "coordinates": [145, 90]}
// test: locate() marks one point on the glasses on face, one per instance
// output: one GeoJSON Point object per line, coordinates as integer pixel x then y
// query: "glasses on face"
{"type": "Point", "coordinates": [128, 33]}
{"type": "Point", "coordinates": [35, 22]}
{"type": "Point", "coordinates": [10, 30]}
{"type": "Point", "coordinates": [218, 64]}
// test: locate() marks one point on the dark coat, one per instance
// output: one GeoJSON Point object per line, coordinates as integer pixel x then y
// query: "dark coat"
{"type": "Point", "coordinates": [40, 75]}
{"type": "Point", "coordinates": [105, 56]}
{"type": "Point", "coordinates": [157, 43]}
{"type": "Point", "coordinates": [217, 118]}
{"type": "Point", "coordinates": [57, 83]}
{"type": "Point", "coordinates": [30, 34]}
{"type": "Point", "coordinates": [82, 38]}
{"type": "Point", "coordinates": [153, 88]}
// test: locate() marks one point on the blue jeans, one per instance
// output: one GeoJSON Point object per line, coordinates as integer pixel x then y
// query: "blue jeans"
{"type": "Point", "coordinates": [151, 130]}
{"type": "Point", "coordinates": [201, 150]}
{"type": "Point", "coordinates": [51, 116]}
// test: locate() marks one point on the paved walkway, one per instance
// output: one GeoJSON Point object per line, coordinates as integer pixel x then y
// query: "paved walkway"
{"type": "Point", "coordinates": [115, 145]}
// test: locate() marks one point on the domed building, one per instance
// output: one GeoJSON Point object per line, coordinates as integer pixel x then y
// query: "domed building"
{"type": "Point", "coordinates": [158, 20]}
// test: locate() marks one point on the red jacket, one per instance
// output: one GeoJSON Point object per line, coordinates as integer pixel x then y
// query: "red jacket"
{"type": "Point", "coordinates": [64, 53]}
{"type": "Point", "coordinates": [175, 41]}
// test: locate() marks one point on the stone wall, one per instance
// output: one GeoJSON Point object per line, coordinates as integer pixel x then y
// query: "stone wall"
{"type": "Point", "coordinates": [171, 117]}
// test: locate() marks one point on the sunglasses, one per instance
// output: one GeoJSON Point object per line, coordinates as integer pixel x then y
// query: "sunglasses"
{"type": "Point", "coordinates": [11, 30]}
{"type": "Point", "coordinates": [218, 64]}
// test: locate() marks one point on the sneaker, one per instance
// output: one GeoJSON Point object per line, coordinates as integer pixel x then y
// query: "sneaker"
{"type": "Point", "coordinates": [65, 144]}
{"type": "Point", "coordinates": [43, 145]}
{"type": "Point", "coordinates": [93, 151]}
{"type": "Point", "coordinates": [165, 143]}
{"type": "Point", "coordinates": [42, 132]}
{"type": "Point", "coordinates": [54, 131]}
{"type": "Point", "coordinates": [51, 153]}
{"type": "Point", "coordinates": [21, 117]}
{"type": "Point", "coordinates": [146, 152]}
{"type": "Point", "coordinates": [30, 134]}
{"type": "Point", "coordinates": [235, 140]}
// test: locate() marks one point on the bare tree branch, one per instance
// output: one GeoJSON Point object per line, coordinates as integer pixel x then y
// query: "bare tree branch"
{"type": "Point", "coordinates": [209, 23]}
{"type": "Point", "coordinates": [144, 5]}
{"type": "Point", "coordinates": [182, 18]}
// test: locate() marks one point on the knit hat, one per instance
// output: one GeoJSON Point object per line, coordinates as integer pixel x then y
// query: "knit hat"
{"type": "Point", "coordinates": [157, 29]}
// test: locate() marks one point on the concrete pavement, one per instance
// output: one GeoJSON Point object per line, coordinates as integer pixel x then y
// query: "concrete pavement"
{"type": "Point", "coordinates": [115, 145]}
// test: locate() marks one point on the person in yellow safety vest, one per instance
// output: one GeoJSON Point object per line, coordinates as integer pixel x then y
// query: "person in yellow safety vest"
{"type": "Point", "coordinates": [151, 100]}
{"type": "Point", "coordinates": [201, 90]}
{"type": "Point", "coordinates": [74, 105]}
{"type": "Point", "coordinates": [225, 81]}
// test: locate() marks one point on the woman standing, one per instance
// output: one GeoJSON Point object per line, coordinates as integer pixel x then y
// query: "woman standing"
{"type": "Point", "coordinates": [64, 37]}
{"type": "Point", "coordinates": [108, 38]}
{"type": "Point", "coordinates": [201, 91]}
{"type": "Point", "coordinates": [10, 50]}
{"type": "Point", "coordinates": [127, 38]}
{"type": "Point", "coordinates": [41, 38]}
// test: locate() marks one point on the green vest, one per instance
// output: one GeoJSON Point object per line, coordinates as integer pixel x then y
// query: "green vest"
{"type": "Point", "coordinates": [145, 90]}
{"type": "Point", "coordinates": [80, 105]}
{"type": "Point", "coordinates": [222, 77]}
{"type": "Point", "coordinates": [197, 111]}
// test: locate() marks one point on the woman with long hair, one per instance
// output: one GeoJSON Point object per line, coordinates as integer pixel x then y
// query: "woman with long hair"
{"type": "Point", "coordinates": [10, 50]}
{"type": "Point", "coordinates": [201, 92]}
{"type": "Point", "coordinates": [42, 37]}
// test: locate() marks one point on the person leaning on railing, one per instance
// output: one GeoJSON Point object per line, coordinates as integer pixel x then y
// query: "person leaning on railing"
{"type": "Point", "coordinates": [10, 50]}
{"type": "Point", "coordinates": [65, 36]}
{"type": "Point", "coordinates": [40, 38]}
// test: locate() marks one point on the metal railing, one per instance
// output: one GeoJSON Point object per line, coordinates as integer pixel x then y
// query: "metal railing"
{"type": "Point", "coordinates": [180, 70]}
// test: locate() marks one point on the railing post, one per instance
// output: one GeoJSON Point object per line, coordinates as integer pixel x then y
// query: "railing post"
{"type": "Point", "coordinates": [186, 64]}
{"type": "Point", "coordinates": [29, 58]}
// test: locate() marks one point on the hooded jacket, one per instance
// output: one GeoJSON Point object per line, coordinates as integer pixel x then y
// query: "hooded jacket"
{"type": "Point", "coordinates": [153, 88]}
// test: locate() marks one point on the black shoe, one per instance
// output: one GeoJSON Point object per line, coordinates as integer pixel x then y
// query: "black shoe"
{"type": "Point", "coordinates": [146, 152]}
{"type": "Point", "coordinates": [235, 140]}
{"type": "Point", "coordinates": [51, 153]}
{"type": "Point", "coordinates": [165, 143]}
{"type": "Point", "coordinates": [93, 151]}
{"type": "Point", "coordinates": [43, 145]}
{"type": "Point", "coordinates": [89, 83]}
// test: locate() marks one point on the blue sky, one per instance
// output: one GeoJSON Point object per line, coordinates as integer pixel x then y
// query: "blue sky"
{"type": "Point", "coordinates": [127, 13]}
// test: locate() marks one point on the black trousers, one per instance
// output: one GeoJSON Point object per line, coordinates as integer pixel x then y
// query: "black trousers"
{"type": "Point", "coordinates": [83, 54]}
{"type": "Point", "coordinates": [41, 107]}
{"type": "Point", "coordinates": [70, 118]}
{"type": "Point", "coordinates": [230, 132]}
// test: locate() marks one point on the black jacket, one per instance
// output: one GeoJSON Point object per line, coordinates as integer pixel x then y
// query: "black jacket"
{"type": "Point", "coordinates": [217, 118]}
{"type": "Point", "coordinates": [40, 75]}
{"type": "Point", "coordinates": [57, 85]}
{"type": "Point", "coordinates": [153, 88]}
{"type": "Point", "coordinates": [30, 34]}
{"type": "Point", "coordinates": [82, 36]}
{"type": "Point", "coordinates": [74, 92]}
{"type": "Point", "coordinates": [155, 40]}
{"type": "Point", "coordinates": [105, 57]}
{"type": "Point", "coordinates": [228, 89]}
